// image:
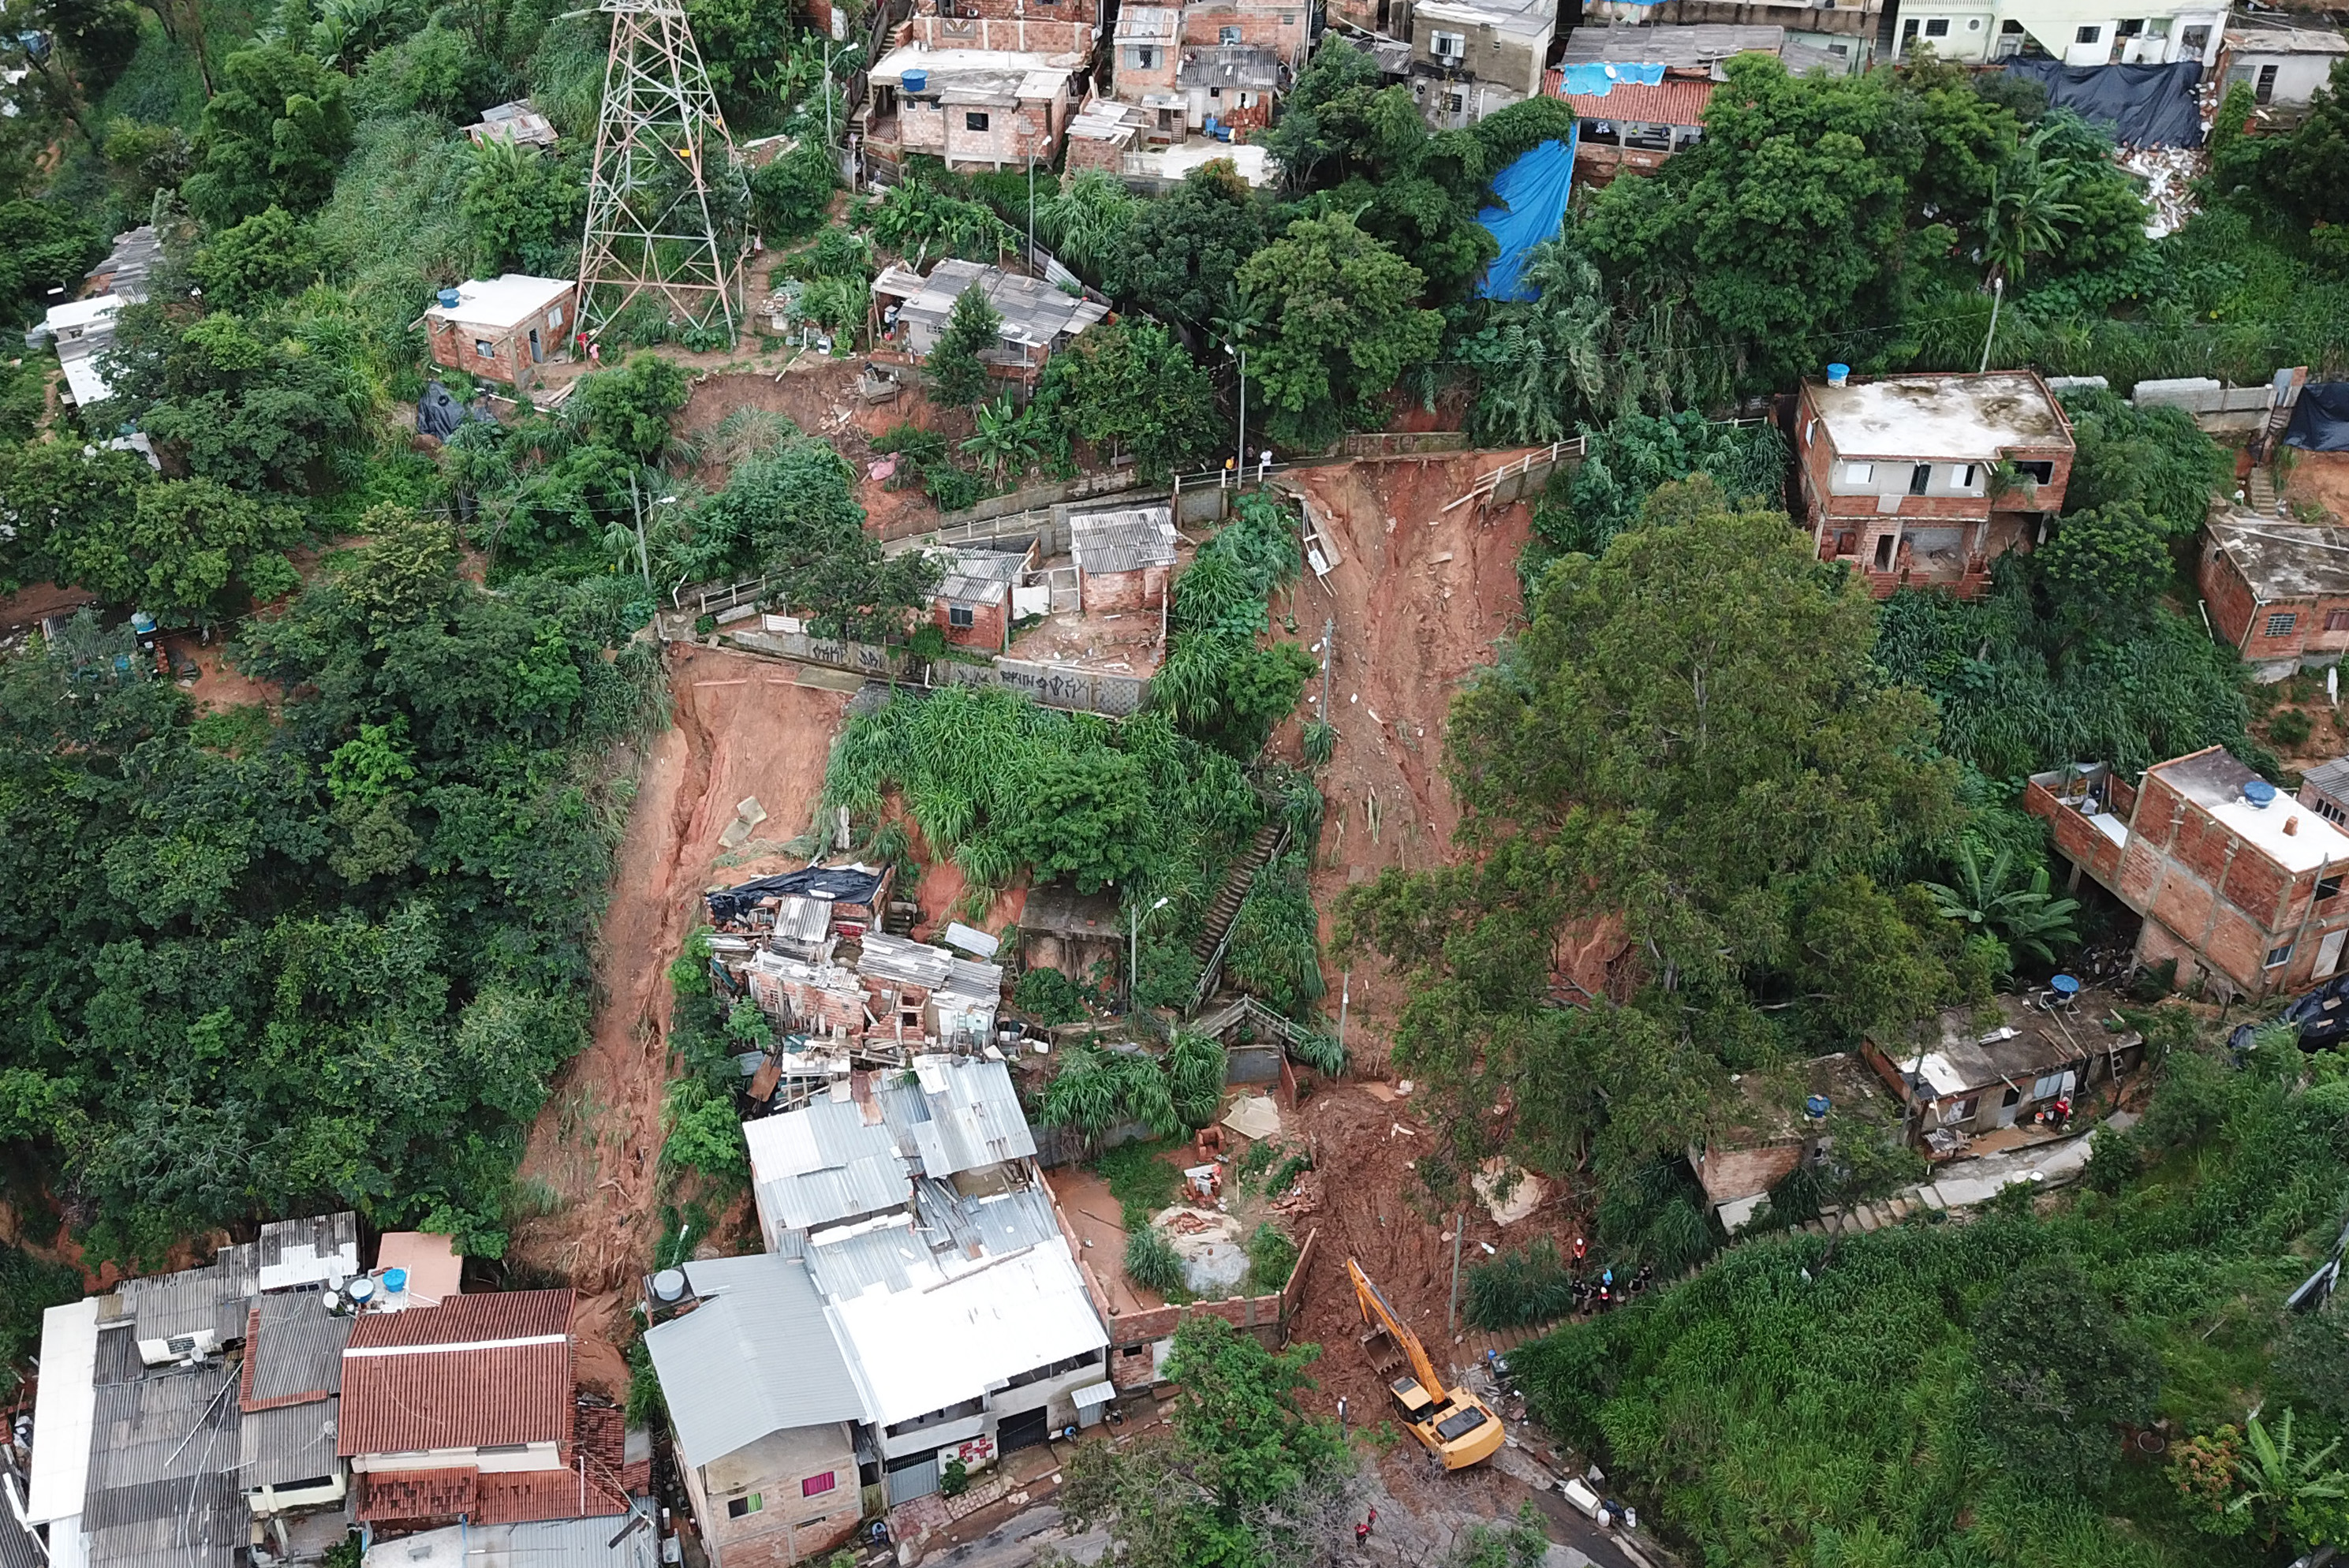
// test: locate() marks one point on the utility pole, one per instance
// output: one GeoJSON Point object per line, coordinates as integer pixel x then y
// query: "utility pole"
{"type": "Point", "coordinates": [1452, 1312]}
{"type": "Point", "coordinates": [826, 87]}
{"type": "Point", "coordinates": [1328, 657]}
{"type": "Point", "coordinates": [1997, 297]}
{"type": "Point", "coordinates": [637, 506]}
{"type": "Point", "coordinates": [1031, 210]}
{"type": "Point", "coordinates": [1243, 464]}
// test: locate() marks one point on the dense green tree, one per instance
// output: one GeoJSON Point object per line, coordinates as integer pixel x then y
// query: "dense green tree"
{"type": "Point", "coordinates": [268, 256]}
{"type": "Point", "coordinates": [52, 490]}
{"type": "Point", "coordinates": [958, 376]}
{"type": "Point", "coordinates": [628, 407]}
{"type": "Point", "coordinates": [272, 137]}
{"type": "Point", "coordinates": [744, 45]}
{"type": "Point", "coordinates": [43, 245]}
{"type": "Point", "coordinates": [261, 403]}
{"type": "Point", "coordinates": [2058, 1369]}
{"type": "Point", "coordinates": [2154, 458]}
{"type": "Point", "coordinates": [144, 159]}
{"type": "Point", "coordinates": [1081, 817]}
{"type": "Point", "coordinates": [1689, 738]}
{"type": "Point", "coordinates": [1326, 119]}
{"type": "Point", "coordinates": [522, 208]}
{"type": "Point", "coordinates": [1130, 389]}
{"type": "Point", "coordinates": [1341, 323]}
{"type": "Point", "coordinates": [2301, 173]}
{"type": "Point", "coordinates": [437, 70]}
{"type": "Point", "coordinates": [791, 194]}
{"type": "Point", "coordinates": [2103, 572]}
{"type": "Point", "coordinates": [1181, 257]}
{"type": "Point", "coordinates": [186, 550]}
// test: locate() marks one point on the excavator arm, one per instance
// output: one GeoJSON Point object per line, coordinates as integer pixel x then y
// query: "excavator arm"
{"type": "Point", "coordinates": [1453, 1424]}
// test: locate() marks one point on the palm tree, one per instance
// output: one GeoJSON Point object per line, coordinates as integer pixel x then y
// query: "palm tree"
{"type": "Point", "coordinates": [2030, 918]}
{"type": "Point", "coordinates": [2028, 209]}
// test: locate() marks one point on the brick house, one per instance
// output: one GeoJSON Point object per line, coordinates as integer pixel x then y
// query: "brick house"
{"type": "Point", "coordinates": [1035, 320]}
{"type": "Point", "coordinates": [470, 1409]}
{"type": "Point", "coordinates": [2277, 591]}
{"type": "Point", "coordinates": [1229, 84]}
{"type": "Point", "coordinates": [504, 328]}
{"type": "Point", "coordinates": [1124, 556]}
{"type": "Point", "coordinates": [1953, 1078]}
{"type": "Point", "coordinates": [972, 604]}
{"type": "Point", "coordinates": [1922, 480]}
{"type": "Point", "coordinates": [974, 107]}
{"type": "Point", "coordinates": [2239, 886]}
{"type": "Point", "coordinates": [1149, 39]}
{"type": "Point", "coordinates": [1283, 29]}
{"type": "Point", "coordinates": [1634, 126]}
{"type": "Point", "coordinates": [1469, 59]}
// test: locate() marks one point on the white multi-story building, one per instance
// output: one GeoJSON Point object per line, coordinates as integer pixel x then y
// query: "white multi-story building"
{"type": "Point", "coordinates": [2077, 32]}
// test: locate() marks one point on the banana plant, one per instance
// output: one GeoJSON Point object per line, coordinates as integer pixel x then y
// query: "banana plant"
{"type": "Point", "coordinates": [2029, 918]}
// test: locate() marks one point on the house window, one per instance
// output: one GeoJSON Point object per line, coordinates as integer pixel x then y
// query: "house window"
{"type": "Point", "coordinates": [974, 119]}
{"type": "Point", "coordinates": [1966, 477]}
{"type": "Point", "coordinates": [2194, 40]}
{"type": "Point", "coordinates": [1289, 18]}
{"type": "Point", "coordinates": [1918, 478]}
{"type": "Point", "coordinates": [2042, 473]}
{"type": "Point", "coordinates": [2129, 28]}
{"type": "Point", "coordinates": [1145, 58]}
{"type": "Point", "coordinates": [959, 615]}
{"type": "Point", "coordinates": [2087, 35]}
{"type": "Point", "coordinates": [1227, 34]}
{"type": "Point", "coordinates": [1215, 92]}
{"type": "Point", "coordinates": [817, 1485]}
{"type": "Point", "coordinates": [1456, 103]}
{"type": "Point", "coordinates": [742, 1507]}
{"type": "Point", "coordinates": [2278, 956]}
{"type": "Point", "coordinates": [2331, 886]}
{"type": "Point", "coordinates": [2336, 619]}
{"type": "Point", "coordinates": [1448, 45]}
{"type": "Point", "coordinates": [1939, 28]}
{"type": "Point", "coordinates": [1810, 429]}
{"type": "Point", "coordinates": [2282, 624]}
{"type": "Point", "coordinates": [485, 348]}
{"type": "Point", "coordinates": [2331, 812]}
{"type": "Point", "coordinates": [2265, 91]}
{"type": "Point", "coordinates": [1248, 100]}
{"type": "Point", "coordinates": [554, 317]}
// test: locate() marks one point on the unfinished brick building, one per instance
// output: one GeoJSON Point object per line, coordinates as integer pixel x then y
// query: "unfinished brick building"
{"type": "Point", "coordinates": [2236, 884]}
{"type": "Point", "coordinates": [2278, 591]}
{"type": "Point", "coordinates": [1923, 480]}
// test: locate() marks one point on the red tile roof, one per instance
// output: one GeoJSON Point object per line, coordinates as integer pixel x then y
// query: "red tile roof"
{"type": "Point", "coordinates": [1669, 102]}
{"type": "Point", "coordinates": [477, 1371]}
{"type": "Point", "coordinates": [415, 1496]}
{"type": "Point", "coordinates": [467, 1320]}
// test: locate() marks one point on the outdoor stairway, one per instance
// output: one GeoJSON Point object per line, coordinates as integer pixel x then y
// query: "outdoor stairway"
{"type": "Point", "coordinates": [1226, 907]}
{"type": "Point", "coordinates": [1872, 1216]}
{"type": "Point", "coordinates": [2260, 492]}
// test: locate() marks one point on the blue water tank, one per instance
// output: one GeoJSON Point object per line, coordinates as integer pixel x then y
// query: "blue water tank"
{"type": "Point", "coordinates": [449, 298]}
{"type": "Point", "coordinates": [2065, 986]}
{"type": "Point", "coordinates": [2259, 793]}
{"type": "Point", "coordinates": [917, 81]}
{"type": "Point", "coordinates": [360, 1289]}
{"type": "Point", "coordinates": [395, 1280]}
{"type": "Point", "coordinates": [1839, 374]}
{"type": "Point", "coordinates": [1817, 1105]}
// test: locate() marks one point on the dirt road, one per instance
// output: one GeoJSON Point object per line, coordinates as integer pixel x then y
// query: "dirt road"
{"type": "Point", "coordinates": [743, 726]}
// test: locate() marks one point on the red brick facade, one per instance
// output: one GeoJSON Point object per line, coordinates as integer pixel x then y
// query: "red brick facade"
{"type": "Point", "coordinates": [2265, 622]}
{"type": "Point", "coordinates": [1278, 28]}
{"type": "Point", "coordinates": [989, 627]}
{"type": "Point", "coordinates": [2212, 898]}
{"type": "Point", "coordinates": [1144, 589]}
{"type": "Point", "coordinates": [1940, 538]}
{"type": "Point", "coordinates": [460, 345]}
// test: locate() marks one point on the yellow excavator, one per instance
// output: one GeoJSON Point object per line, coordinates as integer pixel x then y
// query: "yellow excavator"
{"type": "Point", "coordinates": [1453, 1424]}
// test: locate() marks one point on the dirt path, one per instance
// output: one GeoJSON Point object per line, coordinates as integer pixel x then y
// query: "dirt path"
{"type": "Point", "coordinates": [744, 727]}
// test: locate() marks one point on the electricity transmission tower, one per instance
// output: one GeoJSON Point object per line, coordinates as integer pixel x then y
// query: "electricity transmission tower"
{"type": "Point", "coordinates": [662, 179]}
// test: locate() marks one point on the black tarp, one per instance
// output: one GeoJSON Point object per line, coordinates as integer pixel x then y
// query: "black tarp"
{"type": "Point", "coordinates": [438, 412]}
{"type": "Point", "coordinates": [2319, 420]}
{"type": "Point", "coordinates": [841, 884]}
{"type": "Point", "coordinates": [2140, 106]}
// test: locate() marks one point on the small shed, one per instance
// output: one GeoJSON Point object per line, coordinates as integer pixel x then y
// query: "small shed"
{"type": "Point", "coordinates": [1079, 934]}
{"type": "Point", "coordinates": [972, 604]}
{"type": "Point", "coordinates": [2283, 62]}
{"type": "Point", "coordinates": [503, 328]}
{"type": "Point", "coordinates": [518, 122]}
{"type": "Point", "coordinates": [1228, 84]}
{"type": "Point", "coordinates": [1124, 556]}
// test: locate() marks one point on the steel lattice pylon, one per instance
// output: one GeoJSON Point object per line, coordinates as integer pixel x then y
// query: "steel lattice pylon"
{"type": "Point", "coordinates": [661, 147]}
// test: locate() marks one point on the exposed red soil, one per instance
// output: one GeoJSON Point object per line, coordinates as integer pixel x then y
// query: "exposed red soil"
{"type": "Point", "coordinates": [1420, 595]}
{"type": "Point", "coordinates": [2320, 479]}
{"type": "Point", "coordinates": [743, 726]}
{"type": "Point", "coordinates": [820, 396]}
{"type": "Point", "coordinates": [33, 602]}
{"type": "Point", "coordinates": [222, 685]}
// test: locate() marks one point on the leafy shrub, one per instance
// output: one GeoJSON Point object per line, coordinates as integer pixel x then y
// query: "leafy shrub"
{"type": "Point", "coordinates": [1195, 1065]}
{"type": "Point", "coordinates": [1141, 1180]}
{"type": "Point", "coordinates": [1320, 741]}
{"type": "Point", "coordinates": [28, 1287]}
{"type": "Point", "coordinates": [1049, 997]}
{"type": "Point", "coordinates": [1151, 1262]}
{"type": "Point", "coordinates": [2290, 727]}
{"type": "Point", "coordinates": [954, 1479]}
{"type": "Point", "coordinates": [1521, 1287]}
{"type": "Point", "coordinates": [1271, 1256]}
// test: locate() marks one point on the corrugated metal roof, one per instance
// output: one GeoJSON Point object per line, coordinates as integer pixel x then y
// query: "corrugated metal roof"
{"type": "Point", "coordinates": [296, 1348]}
{"type": "Point", "coordinates": [825, 1162]}
{"type": "Point", "coordinates": [64, 1408]}
{"type": "Point", "coordinates": [163, 1305]}
{"type": "Point", "coordinates": [903, 961]}
{"type": "Point", "coordinates": [554, 1543]}
{"type": "Point", "coordinates": [965, 1115]}
{"type": "Point", "coordinates": [1243, 66]}
{"type": "Point", "coordinates": [291, 1443]}
{"type": "Point", "coordinates": [2329, 778]}
{"type": "Point", "coordinates": [979, 576]}
{"type": "Point", "coordinates": [315, 1251]}
{"type": "Point", "coordinates": [213, 1536]}
{"type": "Point", "coordinates": [757, 1355]}
{"type": "Point", "coordinates": [1123, 539]}
{"type": "Point", "coordinates": [1695, 44]}
{"type": "Point", "coordinates": [163, 1446]}
{"type": "Point", "coordinates": [17, 1547]}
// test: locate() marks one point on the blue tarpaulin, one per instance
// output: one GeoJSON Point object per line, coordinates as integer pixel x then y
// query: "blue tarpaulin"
{"type": "Point", "coordinates": [1597, 78]}
{"type": "Point", "coordinates": [1532, 194]}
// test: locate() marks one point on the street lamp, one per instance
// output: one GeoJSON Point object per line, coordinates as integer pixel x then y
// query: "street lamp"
{"type": "Point", "coordinates": [1133, 947]}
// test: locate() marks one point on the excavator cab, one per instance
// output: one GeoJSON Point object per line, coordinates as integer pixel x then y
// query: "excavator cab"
{"type": "Point", "coordinates": [1453, 1424]}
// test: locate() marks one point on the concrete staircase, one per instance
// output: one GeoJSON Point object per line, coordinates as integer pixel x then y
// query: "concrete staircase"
{"type": "Point", "coordinates": [1234, 893]}
{"type": "Point", "coordinates": [2259, 493]}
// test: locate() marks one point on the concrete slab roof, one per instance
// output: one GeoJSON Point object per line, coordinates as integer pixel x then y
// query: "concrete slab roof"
{"type": "Point", "coordinates": [1969, 418]}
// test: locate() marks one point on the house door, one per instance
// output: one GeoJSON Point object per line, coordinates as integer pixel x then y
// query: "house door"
{"type": "Point", "coordinates": [1025, 1430]}
{"type": "Point", "coordinates": [2006, 1107]}
{"type": "Point", "coordinates": [2328, 954]}
{"type": "Point", "coordinates": [917, 1479]}
{"type": "Point", "coordinates": [537, 354]}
